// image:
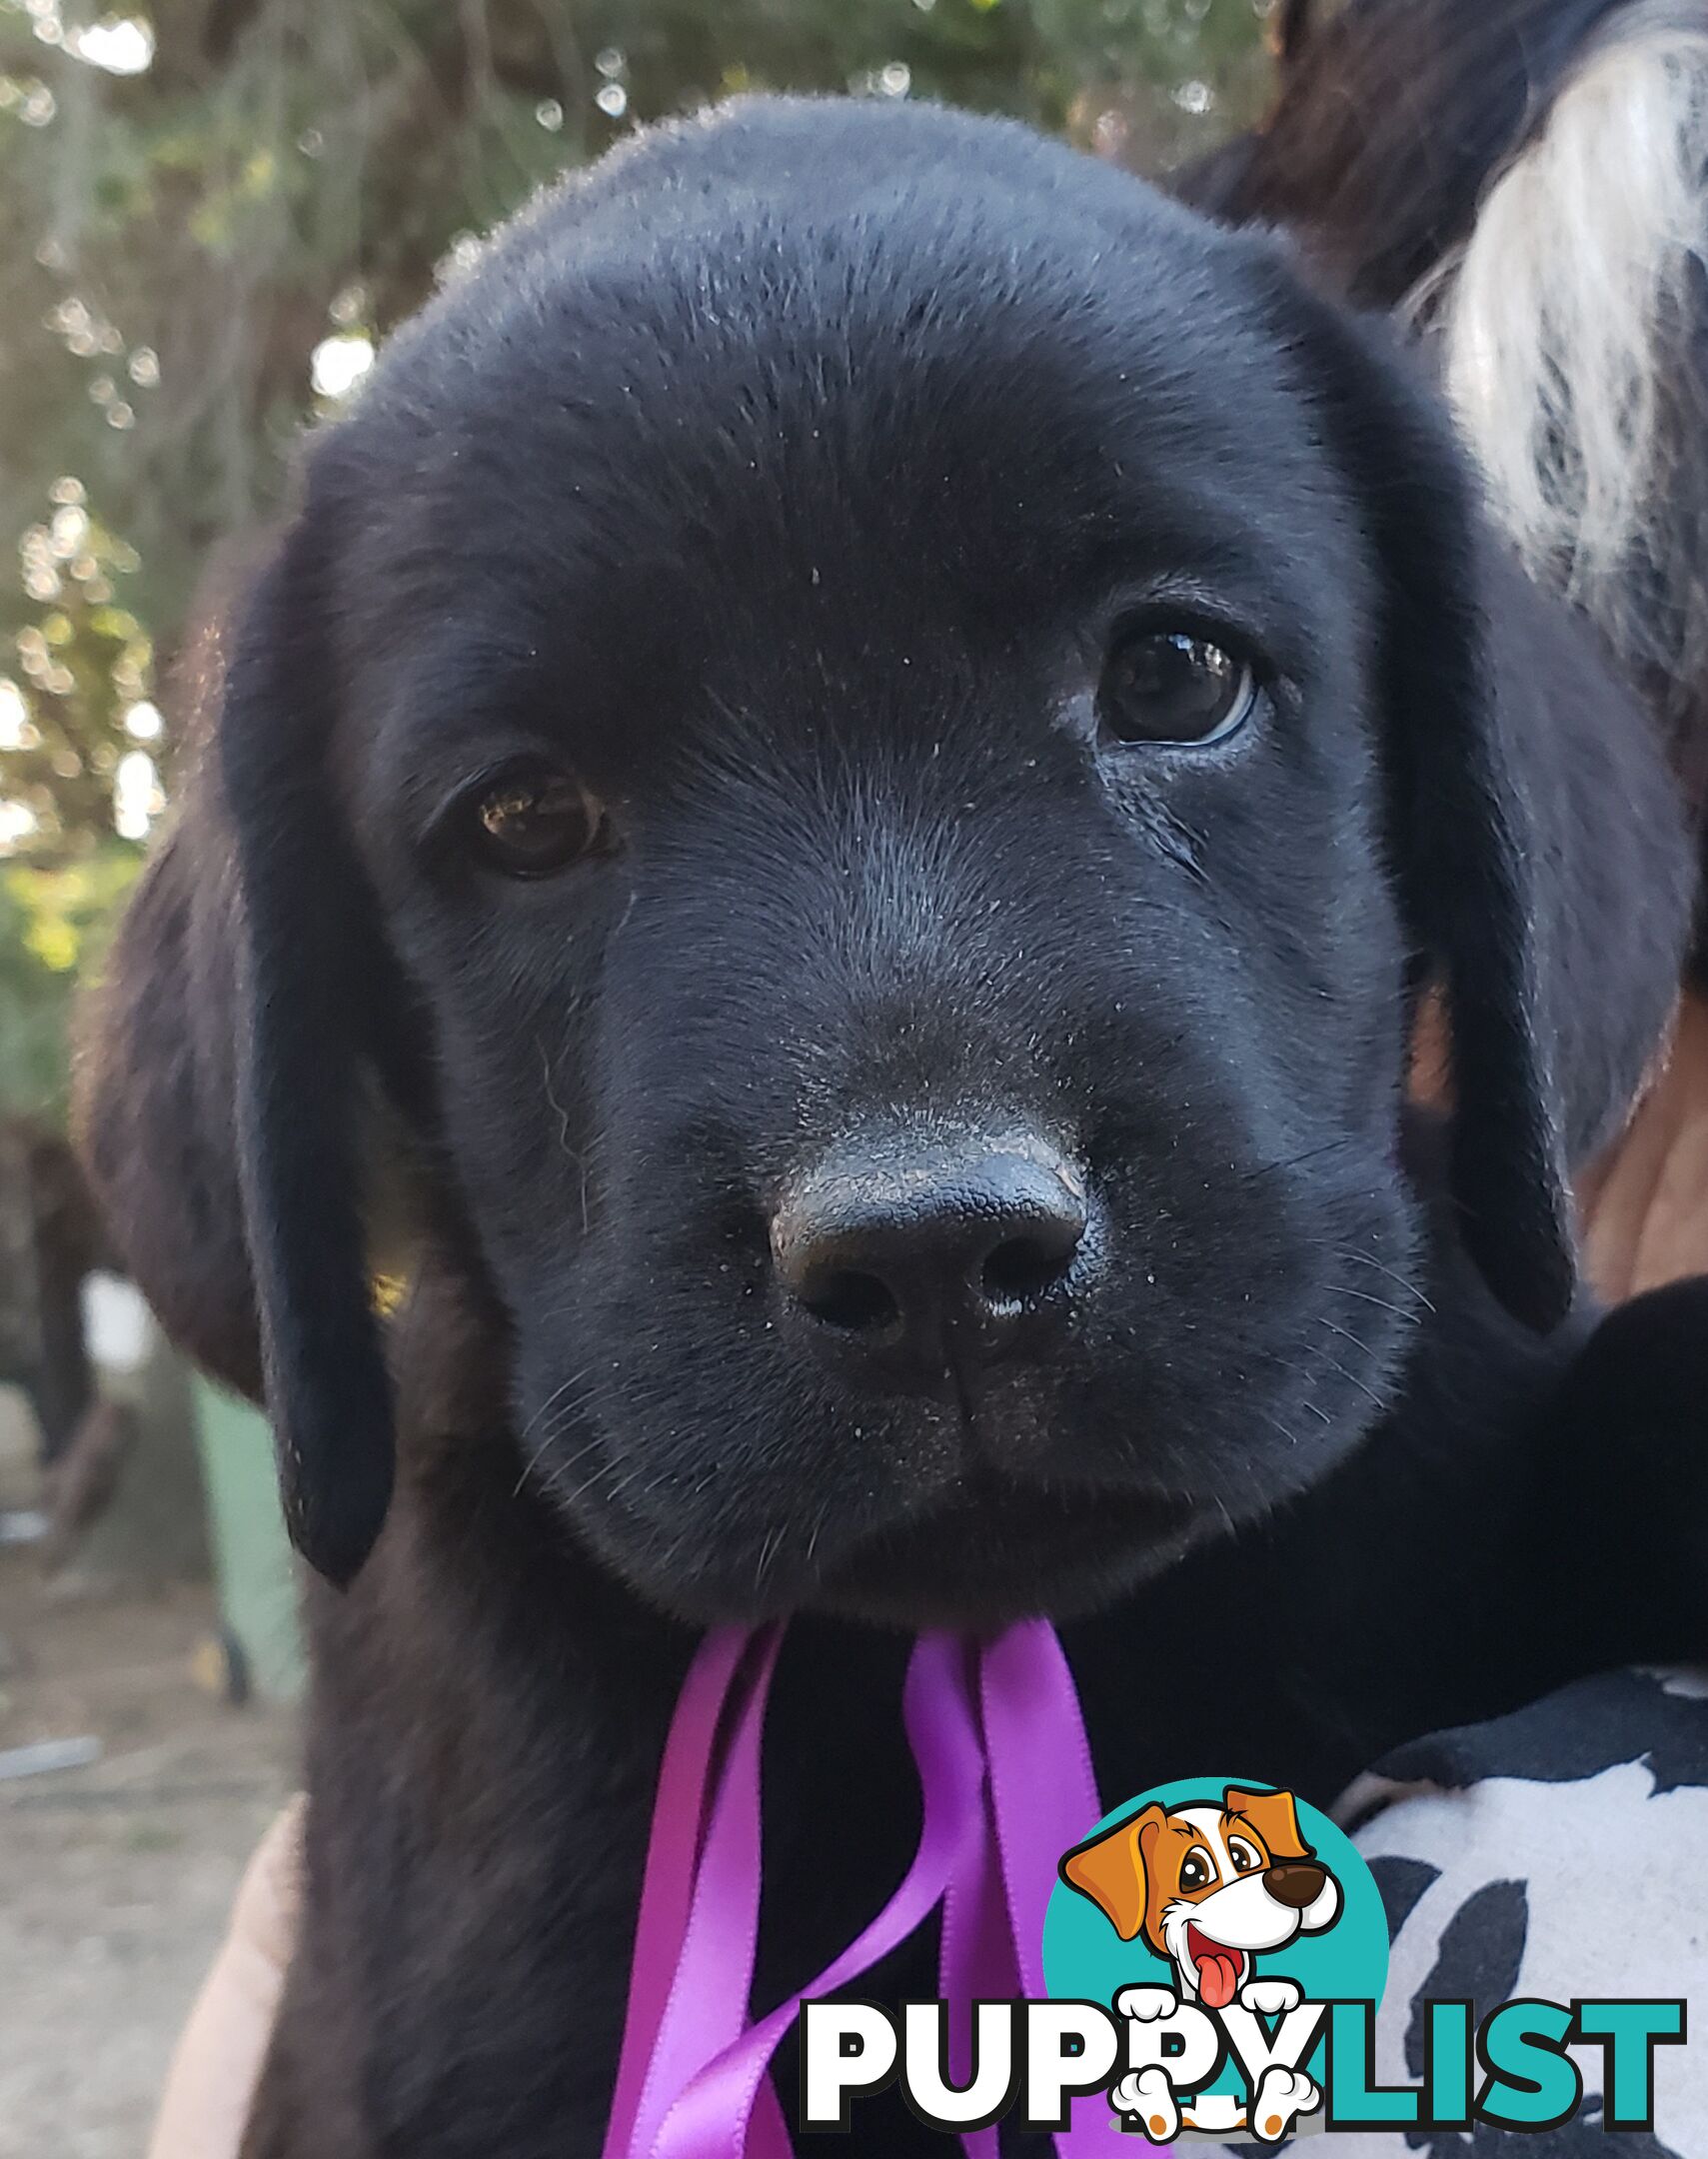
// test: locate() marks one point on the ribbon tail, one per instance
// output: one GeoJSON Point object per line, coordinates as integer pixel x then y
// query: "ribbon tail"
{"type": "Point", "coordinates": [714, 2116]}
{"type": "Point", "coordinates": [977, 1962]}
{"type": "Point", "coordinates": [1043, 1798]}
{"type": "Point", "coordinates": [1007, 1784]}
{"type": "Point", "coordinates": [679, 1808]}
{"type": "Point", "coordinates": [768, 2132]}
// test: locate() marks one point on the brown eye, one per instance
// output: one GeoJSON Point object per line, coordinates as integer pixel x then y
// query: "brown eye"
{"type": "Point", "coordinates": [535, 819]}
{"type": "Point", "coordinates": [1197, 1871]}
{"type": "Point", "coordinates": [1171, 686]}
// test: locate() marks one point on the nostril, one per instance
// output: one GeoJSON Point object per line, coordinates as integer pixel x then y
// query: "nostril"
{"type": "Point", "coordinates": [848, 1298]}
{"type": "Point", "coordinates": [907, 1253]}
{"type": "Point", "coordinates": [1026, 1266]}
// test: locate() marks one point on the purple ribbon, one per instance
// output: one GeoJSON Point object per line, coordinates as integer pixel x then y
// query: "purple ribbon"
{"type": "Point", "coordinates": [1006, 1784]}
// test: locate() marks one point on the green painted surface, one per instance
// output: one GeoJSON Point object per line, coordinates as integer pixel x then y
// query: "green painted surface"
{"type": "Point", "coordinates": [253, 1561]}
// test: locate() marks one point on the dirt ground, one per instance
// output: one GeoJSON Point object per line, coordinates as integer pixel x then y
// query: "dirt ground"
{"type": "Point", "coordinates": [115, 1878]}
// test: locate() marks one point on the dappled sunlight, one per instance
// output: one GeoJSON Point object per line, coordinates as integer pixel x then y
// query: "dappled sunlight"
{"type": "Point", "coordinates": [122, 47]}
{"type": "Point", "coordinates": [117, 44]}
{"type": "Point", "coordinates": [17, 824]}
{"type": "Point", "coordinates": [15, 729]}
{"type": "Point", "coordinates": [137, 797]}
{"type": "Point", "coordinates": [339, 364]}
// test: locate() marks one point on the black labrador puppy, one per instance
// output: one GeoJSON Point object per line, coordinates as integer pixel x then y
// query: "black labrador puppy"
{"type": "Point", "coordinates": [833, 814]}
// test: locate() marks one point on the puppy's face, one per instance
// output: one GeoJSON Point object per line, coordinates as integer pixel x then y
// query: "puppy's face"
{"type": "Point", "coordinates": [863, 731]}
{"type": "Point", "coordinates": [861, 723]}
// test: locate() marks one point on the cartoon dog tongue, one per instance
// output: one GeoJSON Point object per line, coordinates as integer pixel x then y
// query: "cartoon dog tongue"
{"type": "Point", "coordinates": [1218, 1970]}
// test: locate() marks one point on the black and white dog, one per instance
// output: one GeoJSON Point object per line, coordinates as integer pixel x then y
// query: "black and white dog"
{"type": "Point", "coordinates": [849, 777]}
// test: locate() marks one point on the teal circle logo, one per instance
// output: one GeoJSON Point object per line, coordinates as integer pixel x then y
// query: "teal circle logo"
{"type": "Point", "coordinates": [1236, 1899]}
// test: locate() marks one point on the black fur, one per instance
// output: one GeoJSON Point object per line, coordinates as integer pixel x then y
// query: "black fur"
{"type": "Point", "coordinates": [786, 478]}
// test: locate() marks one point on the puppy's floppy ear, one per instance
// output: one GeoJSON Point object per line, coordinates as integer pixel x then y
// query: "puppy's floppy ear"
{"type": "Point", "coordinates": [1275, 1817]}
{"type": "Point", "coordinates": [1113, 1870]}
{"type": "Point", "coordinates": [218, 1070]}
{"type": "Point", "coordinates": [1540, 855]}
{"type": "Point", "coordinates": [155, 1079]}
{"type": "Point", "coordinates": [313, 1000]}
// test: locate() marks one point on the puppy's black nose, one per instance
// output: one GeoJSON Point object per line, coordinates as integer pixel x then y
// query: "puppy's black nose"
{"type": "Point", "coordinates": [918, 1253]}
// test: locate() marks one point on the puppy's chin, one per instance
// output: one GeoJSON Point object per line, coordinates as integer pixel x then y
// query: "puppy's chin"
{"type": "Point", "coordinates": [976, 1563]}
{"type": "Point", "coordinates": [1024, 1555]}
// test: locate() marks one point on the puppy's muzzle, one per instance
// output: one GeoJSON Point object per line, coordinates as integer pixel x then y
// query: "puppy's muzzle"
{"type": "Point", "coordinates": [910, 1256]}
{"type": "Point", "coordinates": [1295, 1883]}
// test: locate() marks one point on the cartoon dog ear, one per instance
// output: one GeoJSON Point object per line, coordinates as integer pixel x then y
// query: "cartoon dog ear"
{"type": "Point", "coordinates": [1112, 1869]}
{"type": "Point", "coordinates": [219, 1100]}
{"type": "Point", "coordinates": [1542, 870]}
{"type": "Point", "coordinates": [1275, 1817]}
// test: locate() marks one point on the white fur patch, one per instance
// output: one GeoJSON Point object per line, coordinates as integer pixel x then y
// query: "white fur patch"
{"type": "Point", "coordinates": [1561, 319]}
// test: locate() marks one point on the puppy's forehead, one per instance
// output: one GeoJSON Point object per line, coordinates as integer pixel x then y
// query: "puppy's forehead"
{"type": "Point", "coordinates": [946, 360]}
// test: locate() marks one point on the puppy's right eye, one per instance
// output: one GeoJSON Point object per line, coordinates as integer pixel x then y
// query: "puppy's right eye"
{"type": "Point", "coordinates": [1197, 1871]}
{"type": "Point", "coordinates": [535, 819]}
{"type": "Point", "coordinates": [1173, 686]}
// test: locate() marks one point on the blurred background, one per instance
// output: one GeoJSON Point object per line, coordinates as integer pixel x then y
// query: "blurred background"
{"type": "Point", "coordinates": [211, 211]}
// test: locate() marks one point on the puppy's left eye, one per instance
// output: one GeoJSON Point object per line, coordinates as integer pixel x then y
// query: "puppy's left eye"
{"type": "Point", "coordinates": [1246, 1860]}
{"type": "Point", "coordinates": [1170, 686]}
{"type": "Point", "coordinates": [534, 818]}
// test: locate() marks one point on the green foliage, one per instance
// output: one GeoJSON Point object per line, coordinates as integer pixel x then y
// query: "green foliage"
{"type": "Point", "coordinates": [76, 708]}
{"type": "Point", "coordinates": [54, 925]}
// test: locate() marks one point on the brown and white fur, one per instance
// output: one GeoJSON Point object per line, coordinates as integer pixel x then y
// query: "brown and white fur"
{"type": "Point", "coordinates": [1209, 1887]}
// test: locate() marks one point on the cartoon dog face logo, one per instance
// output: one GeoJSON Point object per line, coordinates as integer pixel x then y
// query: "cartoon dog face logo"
{"type": "Point", "coordinates": [1208, 1887]}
